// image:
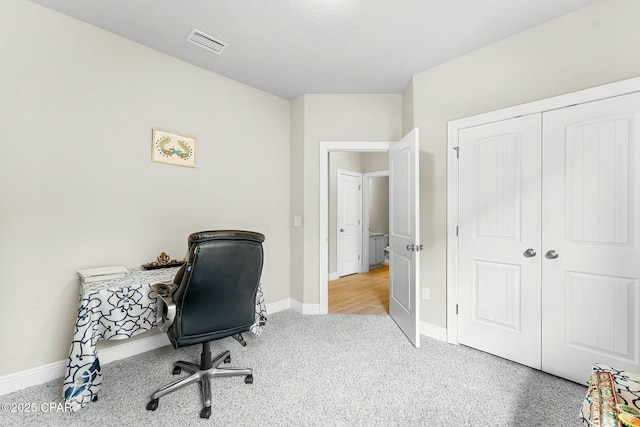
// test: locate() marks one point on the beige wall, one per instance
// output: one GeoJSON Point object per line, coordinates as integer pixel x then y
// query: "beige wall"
{"type": "Point", "coordinates": [378, 191]}
{"type": "Point", "coordinates": [296, 267]}
{"type": "Point", "coordinates": [375, 161]}
{"type": "Point", "coordinates": [379, 205]}
{"type": "Point", "coordinates": [77, 106]}
{"type": "Point", "coordinates": [336, 118]}
{"type": "Point", "coordinates": [595, 45]}
{"type": "Point", "coordinates": [407, 109]}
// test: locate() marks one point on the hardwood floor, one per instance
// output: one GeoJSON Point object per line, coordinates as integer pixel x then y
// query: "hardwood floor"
{"type": "Point", "coordinates": [365, 293]}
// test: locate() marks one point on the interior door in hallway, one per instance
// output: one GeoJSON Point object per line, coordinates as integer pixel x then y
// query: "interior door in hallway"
{"type": "Point", "coordinates": [499, 239]}
{"type": "Point", "coordinates": [591, 237]}
{"type": "Point", "coordinates": [404, 255]}
{"type": "Point", "coordinates": [349, 216]}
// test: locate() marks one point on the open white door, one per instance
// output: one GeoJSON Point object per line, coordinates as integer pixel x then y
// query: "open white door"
{"type": "Point", "coordinates": [404, 301]}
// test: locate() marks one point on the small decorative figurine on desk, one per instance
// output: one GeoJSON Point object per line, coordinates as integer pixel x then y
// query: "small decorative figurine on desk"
{"type": "Point", "coordinates": [164, 261]}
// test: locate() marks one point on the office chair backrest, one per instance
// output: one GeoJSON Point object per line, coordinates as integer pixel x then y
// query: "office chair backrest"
{"type": "Point", "coordinates": [216, 294]}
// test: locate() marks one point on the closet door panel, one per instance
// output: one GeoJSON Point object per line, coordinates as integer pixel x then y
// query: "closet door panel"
{"type": "Point", "coordinates": [499, 231]}
{"type": "Point", "coordinates": [591, 219]}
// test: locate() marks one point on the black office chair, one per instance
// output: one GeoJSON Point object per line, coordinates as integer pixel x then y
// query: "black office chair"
{"type": "Point", "coordinates": [212, 297]}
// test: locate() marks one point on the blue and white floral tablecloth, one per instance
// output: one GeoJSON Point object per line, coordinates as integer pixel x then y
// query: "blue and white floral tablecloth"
{"type": "Point", "coordinates": [114, 310]}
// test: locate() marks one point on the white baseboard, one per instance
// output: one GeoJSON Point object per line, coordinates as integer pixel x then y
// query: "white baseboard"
{"type": "Point", "coordinates": [274, 307]}
{"type": "Point", "coordinates": [34, 376]}
{"type": "Point", "coordinates": [311, 309]}
{"type": "Point", "coordinates": [296, 305]}
{"type": "Point", "coordinates": [333, 276]}
{"type": "Point", "coordinates": [51, 371]}
{"type": "Point", "coordinates": [131, 348]}
{"type": "Point", "coordinates": [432, 331]}
{"type": "Point", "coordinates": [305, 308]}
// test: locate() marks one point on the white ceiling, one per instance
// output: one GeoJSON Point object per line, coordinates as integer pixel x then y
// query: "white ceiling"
{"type": "Point", "coordinates": [291, 47]}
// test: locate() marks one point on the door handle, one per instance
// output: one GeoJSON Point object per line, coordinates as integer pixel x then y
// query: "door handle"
{"type": "Point", "coordinates": [530, 253]}
{"type": "Point", "coordinates": [342, 230]}
{"type": "Point", "coordinates": [552, 254]}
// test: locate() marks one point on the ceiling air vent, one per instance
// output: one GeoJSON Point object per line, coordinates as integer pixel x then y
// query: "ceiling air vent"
{"type": "Point", "coordinates": [205, 41]}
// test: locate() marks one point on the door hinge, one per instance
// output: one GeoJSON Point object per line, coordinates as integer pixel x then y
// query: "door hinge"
{"type": "Point", "coordinates": [358, 256]}
{"type": "Point", "coordinates": [457, 230]}
{"type": "Point", "coordinates": [359, 187]}
{"type": "Point", "coordinates": [456, 308]}
{"type": "Point", "coordinates": [457, 151]}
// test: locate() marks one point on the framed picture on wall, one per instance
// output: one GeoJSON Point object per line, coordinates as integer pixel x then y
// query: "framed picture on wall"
{"type": "Point", "coordinates": [173, 149]}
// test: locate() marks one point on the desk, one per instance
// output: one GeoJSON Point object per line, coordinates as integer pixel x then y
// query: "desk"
{"type": "Point", "coordinates": [114, 310]}
{"type": "Point", "coordinates": [627, 388]}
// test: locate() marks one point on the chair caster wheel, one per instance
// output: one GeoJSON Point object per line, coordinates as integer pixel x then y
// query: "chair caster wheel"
{"type": "Point", "coordinates": [206, 412]}
{"type": "Point", "coordinates": [176, 370]}
{"type": "Point", "coordinates": [248, 379]}
{"type": "Point", "coordinates": [227, 359]}
{"type": "Point", "coordinates": [152, 405]}
{"type": "Point", "coordinates": [94, 398]}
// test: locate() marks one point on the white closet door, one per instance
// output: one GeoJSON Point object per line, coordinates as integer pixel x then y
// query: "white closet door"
{"type": "Point", "coordinates": [591, 188]}
{"type": "Point", "coordinates": [499, 235]}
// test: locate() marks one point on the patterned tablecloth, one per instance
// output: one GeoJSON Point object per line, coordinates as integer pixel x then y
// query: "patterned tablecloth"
{"type": "Point", "coordinates": [115, 310]}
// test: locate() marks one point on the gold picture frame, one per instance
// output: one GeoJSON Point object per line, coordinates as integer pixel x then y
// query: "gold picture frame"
{"type": "Point", "coordinates": [173, 149]}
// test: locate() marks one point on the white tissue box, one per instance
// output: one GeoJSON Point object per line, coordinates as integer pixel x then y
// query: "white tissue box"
{"type": "Point", "coordinates": [102, 273]}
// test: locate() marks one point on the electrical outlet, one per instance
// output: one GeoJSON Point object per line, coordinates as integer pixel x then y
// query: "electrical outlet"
{"type": "Point", "coordinates": [426, 293]}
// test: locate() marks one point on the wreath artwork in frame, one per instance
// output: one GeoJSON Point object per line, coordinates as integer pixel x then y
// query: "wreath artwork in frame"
{"type": "Point", "coordinates": [173, 149]}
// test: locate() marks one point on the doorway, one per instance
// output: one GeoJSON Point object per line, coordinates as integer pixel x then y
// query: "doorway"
{"type": "Point", "coordinates": [359, 272]}
{"type": "Point", "coordinates": [325, 232]}
{"type": "Point", "coordinates": [404, 229]}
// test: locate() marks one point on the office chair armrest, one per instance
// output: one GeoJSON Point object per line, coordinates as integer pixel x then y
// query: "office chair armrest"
{"type": "Point", "coordinates": [166, 305]}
